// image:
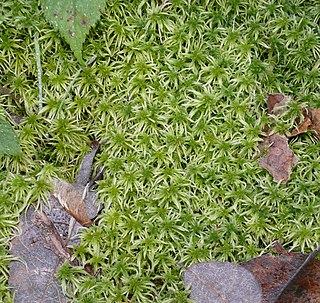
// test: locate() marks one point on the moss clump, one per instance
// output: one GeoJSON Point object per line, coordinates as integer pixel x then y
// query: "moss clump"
{"type": "Point", "coordinates": [179, 90]}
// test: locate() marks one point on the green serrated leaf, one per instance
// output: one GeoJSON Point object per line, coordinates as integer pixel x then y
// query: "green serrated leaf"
{"type": "Point", "coordinates": [73, 19]}
{"type": "Point", "coordinates": [9, 144]}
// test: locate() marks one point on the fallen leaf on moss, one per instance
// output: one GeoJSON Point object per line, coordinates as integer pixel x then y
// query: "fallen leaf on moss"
{"type": "Point", "coordinates": [41, 246]}
{"type": "Point", "coordinates": [277, 103]}
{"type": "Point", "coordinates": [72, 201]}
{"type": "Point", "coordinates": [85, 170]}
{"type": "Point", "coordinates": [289, 277]}
{"type": "Point", "coordinates": [77, 199]}
{"type": "Point", "coordinates": [220, 282]}
{"type": "Point", "coordinates": [279, 158]}
{"type": "Point", "coordinates": [41, 252]}
{"type": "Point", "coordinates": [311, 122]}
{"type": "Point", "coordinates": [73, 19]}
{"type": "Point", "coordinates": [9, 143]}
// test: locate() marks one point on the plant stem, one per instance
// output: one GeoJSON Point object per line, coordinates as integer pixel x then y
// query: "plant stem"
{"type": "Point", "coordinates": [39, 69]}
{"type": "Point", "coordinates": [71, 84]}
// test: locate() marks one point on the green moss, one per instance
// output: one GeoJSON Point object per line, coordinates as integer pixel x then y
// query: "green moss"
{"type": "Point", "coordinates": [179, 90]}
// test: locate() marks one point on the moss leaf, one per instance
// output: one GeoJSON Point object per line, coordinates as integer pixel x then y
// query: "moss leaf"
{"type": "Point", "coordinates": [73, 19]}
{"type": "Point", "coordinates": [9, 144]}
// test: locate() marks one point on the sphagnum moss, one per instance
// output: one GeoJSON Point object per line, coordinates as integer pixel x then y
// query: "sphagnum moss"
{"type": "Point", "coordinates": [179, 90]}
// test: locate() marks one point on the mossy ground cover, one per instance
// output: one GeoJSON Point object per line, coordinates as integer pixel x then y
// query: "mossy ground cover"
{"type": "Point", "coordinates": [179, 91]}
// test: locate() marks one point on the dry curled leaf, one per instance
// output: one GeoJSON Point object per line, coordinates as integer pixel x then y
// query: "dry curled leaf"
{"type": "Point", "coordinates": [41, 246]}
{"type": "Point", "coordinates": [84, 173]}
{"type": "Point", "coordinates": [71, 199]}
{"type": "Point", "coordinates": [311, 122]}
{"type": "Point", "coordinates": [277, 103]}
{"type": "Point", "coordinates": [77, 199]}
{"type": "Point", "coordinates": [279, 158]}
{"type": "Point", "coordinates": [221, 282]}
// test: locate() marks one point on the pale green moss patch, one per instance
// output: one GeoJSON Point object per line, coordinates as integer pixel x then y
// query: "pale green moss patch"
{"type": "Point", "coordinates": [179, 90]}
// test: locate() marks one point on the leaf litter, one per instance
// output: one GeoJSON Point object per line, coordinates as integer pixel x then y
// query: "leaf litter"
{"type": "Point", "coordinates": [311, 122]}
{"type": "Point", "coordinates": [221, 282]}
{"type": "Point", "coordinates": [278, 103]}
{"type": "Point", "coordinates": [288, 277]}
{"type": "Point", "coordinates": [42, 246]}
{"type": "Point", "coordinates": [277, 158]}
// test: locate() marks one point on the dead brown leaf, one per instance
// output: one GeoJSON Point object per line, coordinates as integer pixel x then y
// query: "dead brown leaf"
{"type": "Point", "coordinates": [77, 199]}
{"type": "Point", "coordinates": [289, 277]}
{"type": "Point", "coordinates": [41, 251]}
{"type": "Point", "coordinates": [277, 103]}
{"type": "Point", "coordinates": [85, 170]}
{"type": "Point", "coordinates": [221, 282]}
{"type": "Point", "coordinates": [279, 159]}
{"type": "Point", "coordinates": [41, 246]}
{"type": "Point", "coordinates": [311, 122]}
{"type": "Point", "coordinates": [72, 201]}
